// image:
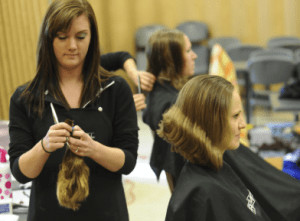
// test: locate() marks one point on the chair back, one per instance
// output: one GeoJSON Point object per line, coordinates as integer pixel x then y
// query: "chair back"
{"type": "Point", "coordinates": [197, 31]}
{"type": "Point", "coordinates": [297, 63]}
{"type": "Point", "coordinates": [271, 67]}
{"type": "Point", "coordinates": [274, 52]}
{"type": "Point", "coordinates": [143, 34]}
{"type": "Point", "coordinates": [141, 60]}
{"type": "Point", "coordinates": [203, 58]}
{"type": "Point", "coordinates": [241, 52]}
{"type": "Point", "coordinates": [297, 55]}
{"type": "Point", "coordinates": [289, 42]}
{"type": "Point", "coordinates": [225, 42]}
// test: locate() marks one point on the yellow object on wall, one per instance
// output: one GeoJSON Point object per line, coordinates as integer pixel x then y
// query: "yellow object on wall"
{"type": "Point", "coordinates": [221, 65]}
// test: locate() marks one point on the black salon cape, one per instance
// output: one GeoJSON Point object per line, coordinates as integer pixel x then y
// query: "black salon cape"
{"type": "Point", "coordinates": [277, 192]}
{"type": "Point", "coordinates": [160, 99]}
{"type": "Point", "coordinates": [203, 194]}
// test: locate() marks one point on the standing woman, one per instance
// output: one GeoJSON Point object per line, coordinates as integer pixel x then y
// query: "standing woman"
{"type": "Point", "coordinates": [172, 61]}
{"type": "Point", "coordinates": [70, 84]}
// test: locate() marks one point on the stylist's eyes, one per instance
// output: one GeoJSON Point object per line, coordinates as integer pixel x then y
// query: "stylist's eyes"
{"type": "Point", "coordinates": [81, 36]}
{"type": "Point", "coordinates": [61, 37]}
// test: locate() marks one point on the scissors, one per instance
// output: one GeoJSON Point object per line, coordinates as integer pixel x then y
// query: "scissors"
{"type": "Point", "coordinates": [54, 115]}
{"type": "Point", "coordinates": [139, 84]}
{"type": "Point", "coordinates": [55, 118]}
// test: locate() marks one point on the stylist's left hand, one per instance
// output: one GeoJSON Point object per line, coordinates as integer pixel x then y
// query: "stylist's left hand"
{"type": "Point", "coordinates": [139, 101]}
{"type": "Point", "coordinates": [81, 143]}
{"type": "Point", "coordinates": [147, 80]}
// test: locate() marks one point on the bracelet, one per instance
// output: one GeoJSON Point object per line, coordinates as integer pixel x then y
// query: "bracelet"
{"type": "Point", "coordinates": [44, 147]}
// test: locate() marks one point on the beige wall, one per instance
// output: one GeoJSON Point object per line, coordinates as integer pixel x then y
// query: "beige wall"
{"type": "Point", "coordinates": [253, 21]}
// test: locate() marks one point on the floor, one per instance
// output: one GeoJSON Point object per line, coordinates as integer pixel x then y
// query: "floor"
{"type": "Point", "coordinates": [147, 197]}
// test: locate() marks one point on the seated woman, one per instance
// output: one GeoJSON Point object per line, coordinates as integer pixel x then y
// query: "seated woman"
{"type": "Point", "coordinates": [203, 124]}
{"type": "Point", "coordinates": [171, 60]}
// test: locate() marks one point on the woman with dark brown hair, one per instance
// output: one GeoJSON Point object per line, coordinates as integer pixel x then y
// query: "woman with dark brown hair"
{"type": "Point", "coordinates": [172, 61]}
{"type": "Point", "coordinates": [221, 180]}
{"type": "Point", "coordinates": [73, 128]}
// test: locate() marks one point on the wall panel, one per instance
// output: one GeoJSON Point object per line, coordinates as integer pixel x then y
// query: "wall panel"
{"type": "Point", "coordinates": [251, 21]}
{"type": "Point", "coordinates": [19, 24]}
{"type": "Point", "coordinates": [292, 17]}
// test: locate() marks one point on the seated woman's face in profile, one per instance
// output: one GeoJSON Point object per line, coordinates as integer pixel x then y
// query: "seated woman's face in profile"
{"type": "Point", "coordinates": [189, 58]}
{"type": "Point", "coordinates": [236, 120]}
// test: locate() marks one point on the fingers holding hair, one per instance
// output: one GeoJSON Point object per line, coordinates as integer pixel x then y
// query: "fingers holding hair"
{"type": "Point", "coordinates": [147, 80]}
{"type": "Point", "coordinates": [57, 136]}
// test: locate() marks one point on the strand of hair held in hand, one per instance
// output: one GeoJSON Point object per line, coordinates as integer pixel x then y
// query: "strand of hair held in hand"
{"type": "Point", "coordinates": [73, 179]}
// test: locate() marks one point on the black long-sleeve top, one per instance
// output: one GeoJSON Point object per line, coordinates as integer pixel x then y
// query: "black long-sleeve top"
{"type": "Point", "coordinates": [115, 60]}
{"type": "Point", "coordinates": [110, 119]}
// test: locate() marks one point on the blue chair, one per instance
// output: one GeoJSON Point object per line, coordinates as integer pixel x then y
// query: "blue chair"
{"type": "Point", "coordinates": [267, 67]}
{"type": "Point", "coordinates": [202, 61]}
{"type": "Point", "coordinates": [142, 36]}
{"type": "Point", "coordinates": [239, 54]}
{"type": "Point", "coordinates": [297, 62]}
{"type": "Point", "coordinates": [289, 42]}
{"type": "Point", "coordinates": [279, 52]}
{"type": "Point", "coordinates": [197, 31]}
{"type": "Point", "coordinates": [224, 41]}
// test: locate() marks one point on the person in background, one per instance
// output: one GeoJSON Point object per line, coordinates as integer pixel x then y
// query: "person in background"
{"type": "Point", "coordinates": [73, 107]}
{"type": "Point", "coordinates": [172, 61]}
{"type": "Point", "coordinates": [123, 60]}
{"type": "Point", "coordinates": [204, 126]}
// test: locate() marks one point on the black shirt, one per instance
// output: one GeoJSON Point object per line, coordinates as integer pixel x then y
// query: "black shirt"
{"type": "Point", "coordinates": [110, 119]}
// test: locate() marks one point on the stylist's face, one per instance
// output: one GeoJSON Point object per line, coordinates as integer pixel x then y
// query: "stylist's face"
{"type": "Point", "coordinates": [189, 57]}
{"type": "Point", "coordinates": [71, 47]}
{"type": "Point", "coordinates": [236, 120]}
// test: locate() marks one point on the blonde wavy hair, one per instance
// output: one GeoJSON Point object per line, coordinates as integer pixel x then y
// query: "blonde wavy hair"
{"type": "Point", "coordinates": [197, 125]}
{"type": "Point", "coordinates": [73, 179]}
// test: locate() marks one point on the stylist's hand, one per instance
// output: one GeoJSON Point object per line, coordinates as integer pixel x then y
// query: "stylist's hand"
{"type": "Point", "coordinates": [139, 101]}
{"type": "Point", "coordinates": [57, 136]}
{"type": "Point", "coordinates": [81, 143]}
{"type": "Point", "coordinates": [147, 80]}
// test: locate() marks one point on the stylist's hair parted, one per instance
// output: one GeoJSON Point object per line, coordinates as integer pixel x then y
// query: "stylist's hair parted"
{"type": "Point", "coordinates": [58, 18]}
{"type": "Point", "coordinates": [197, 125]}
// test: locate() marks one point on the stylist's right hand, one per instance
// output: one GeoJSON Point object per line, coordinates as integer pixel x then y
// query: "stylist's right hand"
{"type": "Point", "coordinates": [57, 136]}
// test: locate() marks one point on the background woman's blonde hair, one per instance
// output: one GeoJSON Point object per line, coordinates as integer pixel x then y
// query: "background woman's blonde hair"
{"type": "Point", "coordinates": [165, 56]}
{"type": "Point", "coordinates": [197, 125]}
